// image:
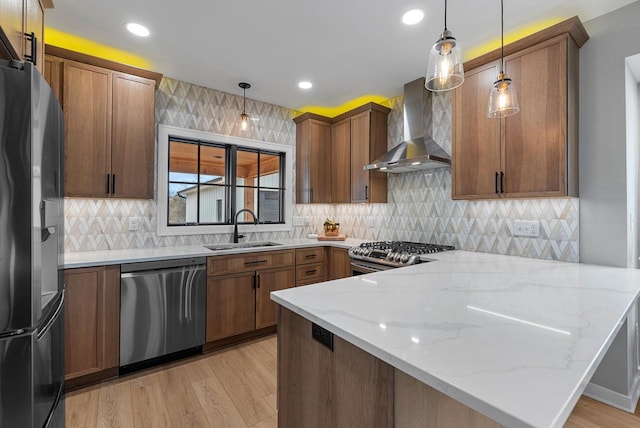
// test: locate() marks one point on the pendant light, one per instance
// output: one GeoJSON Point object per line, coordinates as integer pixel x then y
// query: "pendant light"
{"type": "Point", "coordinates": [244, 117]}
{"type": "Point", "coordinates": [503, 99]}
{"type": "Point", "coordinates": [445, 70]}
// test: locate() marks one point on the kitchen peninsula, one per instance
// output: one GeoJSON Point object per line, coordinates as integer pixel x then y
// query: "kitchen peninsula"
{"type": "Point", "coordinates": [483, 339]}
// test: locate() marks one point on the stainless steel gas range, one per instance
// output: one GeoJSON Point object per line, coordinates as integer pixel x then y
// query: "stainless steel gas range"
{"type": "Point", "coordinates": [377, 256]}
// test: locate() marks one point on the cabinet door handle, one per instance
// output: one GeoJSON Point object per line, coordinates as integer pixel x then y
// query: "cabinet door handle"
{"type": "Point", "coordinates": [311, 272]}
{"type": "Point", "coordinates": [108, 184]}
{"type": "Point", "coordinates": [257, 262]}
{"type": "Point", "coordinates": [366, 193]}
{"type": "Point", "coordinates": [113, 184]}
{"type": "Point", "coordinates": [311, 194]}
{"type": "Point", "coordinates": [310, 256]}
{"type": "Point", "coordinates": [254, 281]}
{"type": "Point", "coordinates": [496, 183]}
{"type": "Point", "coordinates": [501, 182]}
{"type": "Point", "coordinates": [33, 57]}
{"type": "Point", "coordinates": [257, 280]}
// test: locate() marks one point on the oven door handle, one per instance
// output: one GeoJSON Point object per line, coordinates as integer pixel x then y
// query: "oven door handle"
{"type": "Point", "coordinates": [365, 268]}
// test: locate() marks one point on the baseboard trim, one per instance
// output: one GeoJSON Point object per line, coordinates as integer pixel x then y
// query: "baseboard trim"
{"type": "Point", "coordinates": [620, 401]}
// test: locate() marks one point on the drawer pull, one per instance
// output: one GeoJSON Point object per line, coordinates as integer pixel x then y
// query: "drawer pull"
{"type": "Point", "coordinates": [256, 262]}
{"type": "Point", "coordinates": [311, 272]}
{"type": "Point", "coordinates": [310, 256]}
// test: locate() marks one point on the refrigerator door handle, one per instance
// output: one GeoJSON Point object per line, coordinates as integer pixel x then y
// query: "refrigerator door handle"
{"type": "Point", "coordinates": [52, 319]}
{"type": "Point", "coordinates": [17, 332]}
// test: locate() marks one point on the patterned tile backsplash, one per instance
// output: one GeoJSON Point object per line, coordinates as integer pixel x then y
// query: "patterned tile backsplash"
{"type": "Point", "coordinates": [419, 208]}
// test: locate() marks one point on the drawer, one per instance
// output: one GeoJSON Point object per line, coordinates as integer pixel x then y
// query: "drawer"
{"type": "Point", "coordinates": [222, 265]}
{"type": "Point", "coordinates": [309, 255]}
{"type": "Point", "coordinates": [310, 273]}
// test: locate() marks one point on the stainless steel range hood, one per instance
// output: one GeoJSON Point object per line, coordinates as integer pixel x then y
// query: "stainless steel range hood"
{"type": "Point", "coordinates": [419, 150]}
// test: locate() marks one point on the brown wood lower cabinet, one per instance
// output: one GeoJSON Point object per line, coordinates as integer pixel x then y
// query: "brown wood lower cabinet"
{"type": "Point", "coordinates": [348, 387]}
{"type": "Point", "coordinates": [239, 301]}
{"type": "Point", "coordinates": [266, 282]}
{"type": "Point", "coordinates": [230, 305]}
{"type": "Point", "coordinates": [339, 263]}
{"type": "Point", "coordinates": [318, 387]}
{"type": "Point", "coordinates": [91, 324]}
{"type": "Point", "coordinates": [311, 265]}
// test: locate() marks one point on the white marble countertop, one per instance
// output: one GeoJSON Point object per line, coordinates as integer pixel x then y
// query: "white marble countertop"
{"type": "Point", "coordinates": [514, 338]}
{"type": "Point", "coordinates": [112, 257]}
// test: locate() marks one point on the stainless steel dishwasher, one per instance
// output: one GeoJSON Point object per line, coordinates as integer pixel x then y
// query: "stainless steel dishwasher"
{"type": "Point", "coordinates": [162, 311]}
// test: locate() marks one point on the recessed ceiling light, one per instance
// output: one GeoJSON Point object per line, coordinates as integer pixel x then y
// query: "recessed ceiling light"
{"type": "Point", "coordinates": [305, 85]}
{"type": "Point", "coordinates": [137, 29]}
{"type": "Point", "coordinates": [412, 17]}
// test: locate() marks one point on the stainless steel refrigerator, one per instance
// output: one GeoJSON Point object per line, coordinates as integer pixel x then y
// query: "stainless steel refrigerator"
{"type": "Point", "coordinates": [31, 250]}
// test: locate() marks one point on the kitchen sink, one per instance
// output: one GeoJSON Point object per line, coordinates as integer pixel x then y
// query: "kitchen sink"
{"type": "Point", "coordinates": [221, 247]}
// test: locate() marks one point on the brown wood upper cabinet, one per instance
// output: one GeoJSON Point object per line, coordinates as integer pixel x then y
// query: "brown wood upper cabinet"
{"type": "Point", "coordinates": [313, 159]}
{"type": "Point", "coordinates": [535, 152]}
{"type": "Point", "coordinates": [355, 139]}
{"type": "Point", "coordinates": [109, 129]}
{"type": "Point", "coordinates": [22, 30]}
{"type": "Point", "coordinates": [92, 324]}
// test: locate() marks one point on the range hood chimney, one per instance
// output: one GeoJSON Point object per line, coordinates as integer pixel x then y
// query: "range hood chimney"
{"type": "Point", "coordinates": [419, 150]}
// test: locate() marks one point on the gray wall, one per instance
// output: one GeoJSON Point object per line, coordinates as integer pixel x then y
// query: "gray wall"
{"type": "Point", "coordinates": [603, 198]}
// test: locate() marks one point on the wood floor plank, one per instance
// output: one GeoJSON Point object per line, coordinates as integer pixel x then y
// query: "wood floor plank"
{"type": "Point", "coordinates": [228, 388]}
{"type": "Point", "coordinates": [260, 358]}
{"type": "Point", "coordinates": [115, 408]}
{"type": "Point", "coordinates": [272, 400]}
{"type": "Point", "coordinates": [243, 391]}
{"type": "Point", "coordinates": [216, 404]}
{"type": "Point", "coordinates": [191, 420]}
{"type": "Point", "coordinates": [271, 422]}
{"type": "Point", "coordinates": [177, 390]}
{"type": "Point", "coordinates": [149, 407]}
{"type": "Point", "coordinates": [248, 362]}
{"type": "Point", "coordinates": [82, 408]}
{"type": "Point", "coordinates": [590, 413]}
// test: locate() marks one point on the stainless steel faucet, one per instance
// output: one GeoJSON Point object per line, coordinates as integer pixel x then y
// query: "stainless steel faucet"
{"type": "Point", "coordinates": [235, 223]}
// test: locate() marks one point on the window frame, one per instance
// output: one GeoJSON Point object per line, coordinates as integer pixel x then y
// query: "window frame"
{"type": "Point", "coordinates": [165, 132]}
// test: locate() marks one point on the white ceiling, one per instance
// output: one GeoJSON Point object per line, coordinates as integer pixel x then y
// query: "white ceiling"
{"type": "Point", "coordinates": [347, 48]}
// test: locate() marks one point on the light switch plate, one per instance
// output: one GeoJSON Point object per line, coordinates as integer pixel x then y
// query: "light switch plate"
{"type": "Point", "coordinates": [530, 229]}
{"type": "Point", "coordinates": [298, 221]}
{"type": "Point", "coordinates": [370, 223]}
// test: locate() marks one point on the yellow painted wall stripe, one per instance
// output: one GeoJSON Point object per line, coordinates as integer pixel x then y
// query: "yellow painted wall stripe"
{"type": "Point", "coordinates": [78, 44]}
{"type": "Point", "coordinates": [349, 105]}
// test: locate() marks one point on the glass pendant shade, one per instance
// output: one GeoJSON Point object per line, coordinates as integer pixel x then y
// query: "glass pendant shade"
{"type": "Point", "coordinates": [244, 121]}
{"type": "Point", "coordinates": [503, 98]}
{"type": "Point", "coordinates": [444, 70]}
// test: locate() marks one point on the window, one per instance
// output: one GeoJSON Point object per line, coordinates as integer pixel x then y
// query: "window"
{"type": "Point", "coordinates": [205, 179]}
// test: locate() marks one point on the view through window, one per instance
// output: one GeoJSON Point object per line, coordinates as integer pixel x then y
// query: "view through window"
{"type": "Point", "coordinates": [209, 182]}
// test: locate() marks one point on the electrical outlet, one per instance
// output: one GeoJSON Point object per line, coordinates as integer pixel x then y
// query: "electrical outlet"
{"type": "Point", "coordinates": [298, 221]}
{"type": "Point", "coordinates": [529, 229]}
{"type": "Point", "coordinates": [370, 222]}
{"type": "Point", "coordinates": [134, 223]}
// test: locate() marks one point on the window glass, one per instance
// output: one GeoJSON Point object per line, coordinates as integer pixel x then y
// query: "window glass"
{"type": "Point", "coordinates": [200, 190]}
{"type": "Point", "coordinates": [183, 176]}
{"type": "Point", "coordinates": [269, 170]}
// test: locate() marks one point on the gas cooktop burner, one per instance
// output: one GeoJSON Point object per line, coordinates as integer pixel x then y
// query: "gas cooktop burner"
{"type": "Point", "coordinates": [395, 253]}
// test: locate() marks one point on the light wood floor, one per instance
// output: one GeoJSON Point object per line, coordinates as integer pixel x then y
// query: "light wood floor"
{"type": "Point", "coordinates": [234, 388]}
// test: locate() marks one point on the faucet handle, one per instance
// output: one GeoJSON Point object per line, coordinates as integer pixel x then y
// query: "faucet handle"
{"type": "Point", "coordinates": [240, 236]}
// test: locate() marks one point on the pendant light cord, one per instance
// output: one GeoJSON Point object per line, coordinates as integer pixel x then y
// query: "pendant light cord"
{"type": "Point", "coordinates": [244, 100]}
{"type": "Point", "coordinates": [501, 36]}
{"type": "Point", "coordinates": [445, 15]}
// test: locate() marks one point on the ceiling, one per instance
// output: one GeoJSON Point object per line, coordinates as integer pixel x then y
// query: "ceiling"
{"type": "Point", "coordinates": [347, 49]}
